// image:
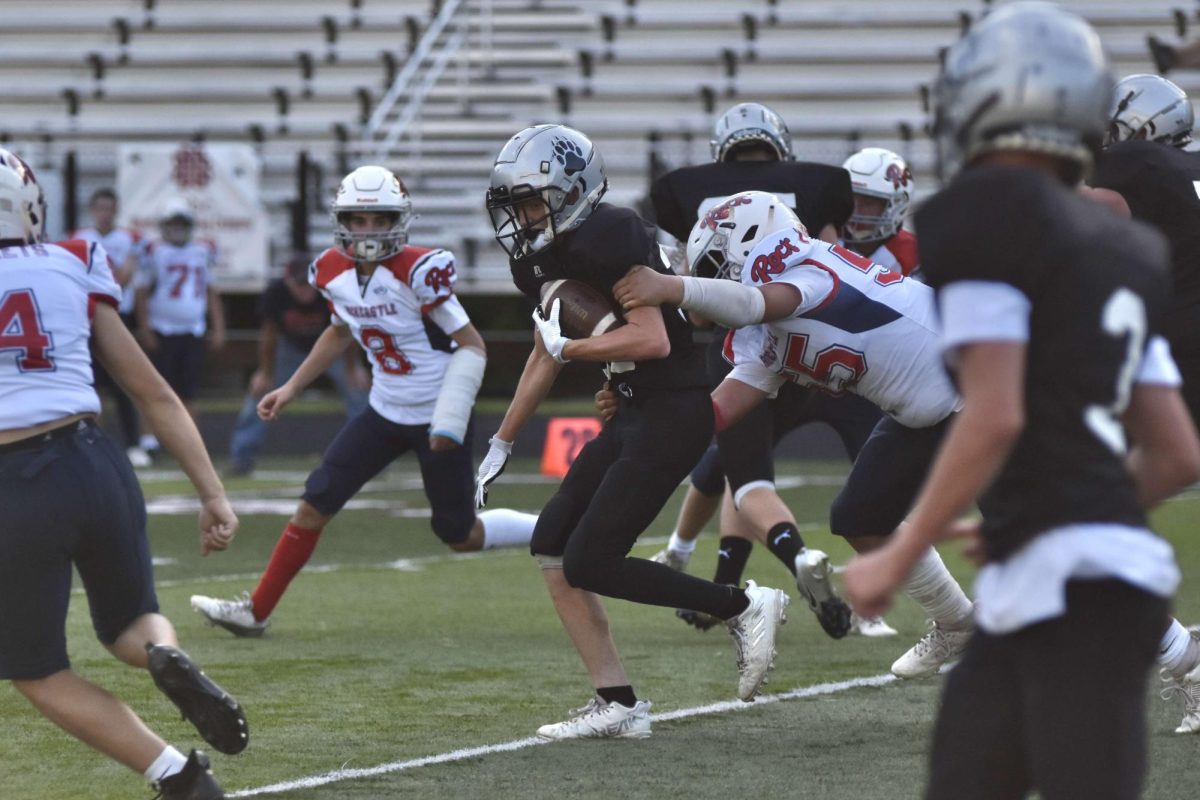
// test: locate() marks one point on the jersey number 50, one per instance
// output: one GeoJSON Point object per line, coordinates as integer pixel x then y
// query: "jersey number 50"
{"type": "Point", "coordinates": [21, 329]}
{"type": "Point", "coordinates": [382, 347]}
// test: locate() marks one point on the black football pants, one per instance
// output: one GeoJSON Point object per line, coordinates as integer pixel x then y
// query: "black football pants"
{"type": "Point", "coordinates": [616, 487]}
{"type": "Point", "coordinates": [1057, 707]}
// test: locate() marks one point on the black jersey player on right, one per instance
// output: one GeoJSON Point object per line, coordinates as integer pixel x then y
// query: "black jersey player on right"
{"type": "Point", "coordinates": [544, 200]}
{"type": "Point", "coordinates": [751, 150]}
{"type": "Point", "coordinates": [1147, 164]}
{"type": "Point", "coordinates": [1051, 318]}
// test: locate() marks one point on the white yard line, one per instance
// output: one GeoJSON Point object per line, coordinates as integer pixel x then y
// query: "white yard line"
{"type": "Point", "coordinates": [338, 775]}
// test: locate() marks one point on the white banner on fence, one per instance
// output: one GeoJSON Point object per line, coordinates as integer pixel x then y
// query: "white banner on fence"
{"type": "Point", "coordinates": [221, 184]}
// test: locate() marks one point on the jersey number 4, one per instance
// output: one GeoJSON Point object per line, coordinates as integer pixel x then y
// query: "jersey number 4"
{"type": "Point", "coordinates": [21, 330]}
{"type": "Point", "coordinates": [382, 347]}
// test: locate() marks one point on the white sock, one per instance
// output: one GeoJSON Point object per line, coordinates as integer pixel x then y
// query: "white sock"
{"type": "Point", "coordinates": [1178, 652]}
{"type": "Point", "coordinates": [169, 762]}
{"type": "Point", "coordinates": [936, 591]}
{"type": "Point", "coordinates": [503, 527]}
{"type": "Point", "coordinates": [681, 545]}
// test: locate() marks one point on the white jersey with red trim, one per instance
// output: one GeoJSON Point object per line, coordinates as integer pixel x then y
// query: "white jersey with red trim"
{"type": "Point", "coordinates": [898, 253]}
{"type": "Point", "coordinates": [47, 296]}
{"type": "Point", "coordinates": [402, 316]}
{"type": "Point", "coordinates": [178, 277]}
{"type": "Point", "coordinates": [858, 328]}
{"type": "Point", "coordinates": [119, 243]}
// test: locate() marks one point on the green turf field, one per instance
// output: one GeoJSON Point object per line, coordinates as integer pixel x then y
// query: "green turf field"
{"type": "Point", "coordinates": [397, 650]}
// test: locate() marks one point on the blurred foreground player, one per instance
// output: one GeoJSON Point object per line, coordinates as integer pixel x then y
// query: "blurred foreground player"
{"type": "Point", "coordinates": [544, 201]}
{"type": "Point", "coordinates": [69, 498]}
{"type": "Point", "coordinates": [1052, 320]}
{"type": "Point", "coordinates": [397, 301]}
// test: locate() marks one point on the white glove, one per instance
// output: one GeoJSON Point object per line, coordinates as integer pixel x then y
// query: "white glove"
{"type": "Point", "coordinates": [493, 464]}
{"type": "Point", "coordinates": [551, 333]}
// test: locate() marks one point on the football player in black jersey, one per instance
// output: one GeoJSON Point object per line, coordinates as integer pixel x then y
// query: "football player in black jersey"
{"type": "Point", "coordinates": [752, 150]}
{"type": "Point", "coordinates": [544, 202]}
{"type": "Point", "coordinates": [1150, 124]}
{"type": "Point", "coordinates": [1052, 320]}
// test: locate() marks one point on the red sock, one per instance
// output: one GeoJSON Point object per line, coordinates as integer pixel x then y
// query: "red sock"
{"type": "Point", "coordinates": [291, 553]}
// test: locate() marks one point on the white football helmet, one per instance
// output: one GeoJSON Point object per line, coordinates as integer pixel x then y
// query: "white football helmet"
{"type": "Point", "coordinates": [1150, 107]}
{"type": "Point", "coordinates": [22, 204]}
{"type": "Point", "coordinates": [372, 189]}
{"type": "Point", "coordinates": [555, 163]}
{"type": "Point", "coordinates": [721, 240]}
{"type": "Point", "coordinates": [176, 221]}
{"type": "Point", "coordinates": [883, 175]}
{"type": "Point", "coordinates": [751, 122]}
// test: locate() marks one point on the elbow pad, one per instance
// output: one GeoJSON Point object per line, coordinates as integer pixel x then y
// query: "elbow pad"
{"type": "Point", "coordinates": [723, 301]}
{"type": "Point", "coordinates": [461, 383]}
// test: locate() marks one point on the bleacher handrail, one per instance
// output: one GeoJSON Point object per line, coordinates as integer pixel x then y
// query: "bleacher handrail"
{"type": "Point", "coordinates": [441, 40]}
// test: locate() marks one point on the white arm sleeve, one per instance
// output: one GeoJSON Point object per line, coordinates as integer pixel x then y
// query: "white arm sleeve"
{"type": "Point", "coordinates": [723, 301]}
{"type": "Point", "coordinates": [1157, 366]}
{"type": "Point", "coordinates": [759, 377]}
{"type": "Point", "coordinates": [461, 383]}
{"type": "Point", "coordinates": [982, 311]}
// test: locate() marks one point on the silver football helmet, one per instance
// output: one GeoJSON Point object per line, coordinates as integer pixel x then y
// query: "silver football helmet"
{"type": "Point", "coordinates": [751, 122]}
{"type": "Point", "coordinates": [1030, 77]}
{"type": "Point", "coordinates": [554, 164]}
{"type": "Point", "coordinates": [1150, 107]}
{"type": "Point", "coordinates": [22, 204]}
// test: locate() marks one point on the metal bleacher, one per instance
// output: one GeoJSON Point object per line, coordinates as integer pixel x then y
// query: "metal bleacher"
{"type": "Point", "coordinates": [644, 78]}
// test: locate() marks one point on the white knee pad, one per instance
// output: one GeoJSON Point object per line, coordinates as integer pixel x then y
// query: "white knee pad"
{"type": "Point", "coordinates": [747, 489]}
{"type": "Point", "coordinates": [549, 562]}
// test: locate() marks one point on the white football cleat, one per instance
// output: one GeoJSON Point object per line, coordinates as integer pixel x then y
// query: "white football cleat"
{"type": "Point", "coordinates": [1189, 687]}
{"type": "Point", "coordinates": [872, 627]}
{"type": "Point", "coordinates": [934, 649]}
{"type": "Point", "coordinates": [814, 580]}
{"type": "Point", "coordinates": [672, 558]}
{"type": "Point", "coordinates": [235, 616]}
{"type": "Point", "coordinates": [601, 720]}
{"type": "Point", "coordinates": [138, 457]}
{"type": "Point", "coordinates": [753, 633]}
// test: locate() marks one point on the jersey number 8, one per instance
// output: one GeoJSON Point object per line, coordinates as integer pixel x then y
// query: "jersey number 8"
{"type": "Point", "coordinates": [382, 348]}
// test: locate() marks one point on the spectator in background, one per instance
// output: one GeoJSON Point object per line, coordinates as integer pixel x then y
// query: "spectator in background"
{"type": "Point", "coordinates": [122, 246]}
{"type": "Point", "coordinates": [176, 302]}
{"type": "Point", "coordinates": [293, 316]}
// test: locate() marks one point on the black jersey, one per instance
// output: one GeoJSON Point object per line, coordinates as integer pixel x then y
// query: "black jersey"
{"type": "Point", "coordinates": [599, 252]}
{"type": "Point", "coordinates": [1161, 184]}
{"type": "Point", "coordinates": [819, 193]}
{"type": "Point", "coordinates": [1097, 286]}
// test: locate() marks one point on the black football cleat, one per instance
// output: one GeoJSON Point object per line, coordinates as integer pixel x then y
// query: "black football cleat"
{"type": "Point", "coordinates": [697, 619]}
{"type": "Point", "coordinates": [194, 782]}
{"type": "Point", "coordinates": [216, 715]}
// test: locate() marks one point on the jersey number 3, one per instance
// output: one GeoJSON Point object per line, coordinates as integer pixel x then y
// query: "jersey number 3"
{"type": "Point", "coordinates": [21, 330]}
{"type": "Point", "coordinates": [1124, 315]}
{"type": "Point", "coordinates": [382, 348]}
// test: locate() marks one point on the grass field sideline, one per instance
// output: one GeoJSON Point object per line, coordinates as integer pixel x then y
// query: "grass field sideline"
{"type": "Point", "coordinates": [378, 661]}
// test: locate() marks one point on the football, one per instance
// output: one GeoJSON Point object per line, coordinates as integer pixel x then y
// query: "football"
{"type": "Point", "coordinates": [583, 311]}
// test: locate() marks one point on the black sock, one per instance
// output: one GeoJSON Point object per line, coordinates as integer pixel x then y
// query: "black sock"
{"type": "Point", "coordinates": [618, 694]}
{"type": "Point", "coordinates": [783, 540]}
{"type": "Point", "coordinates": [731, 560]}
{"type": "Point", "coordinates": [738, 602]}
